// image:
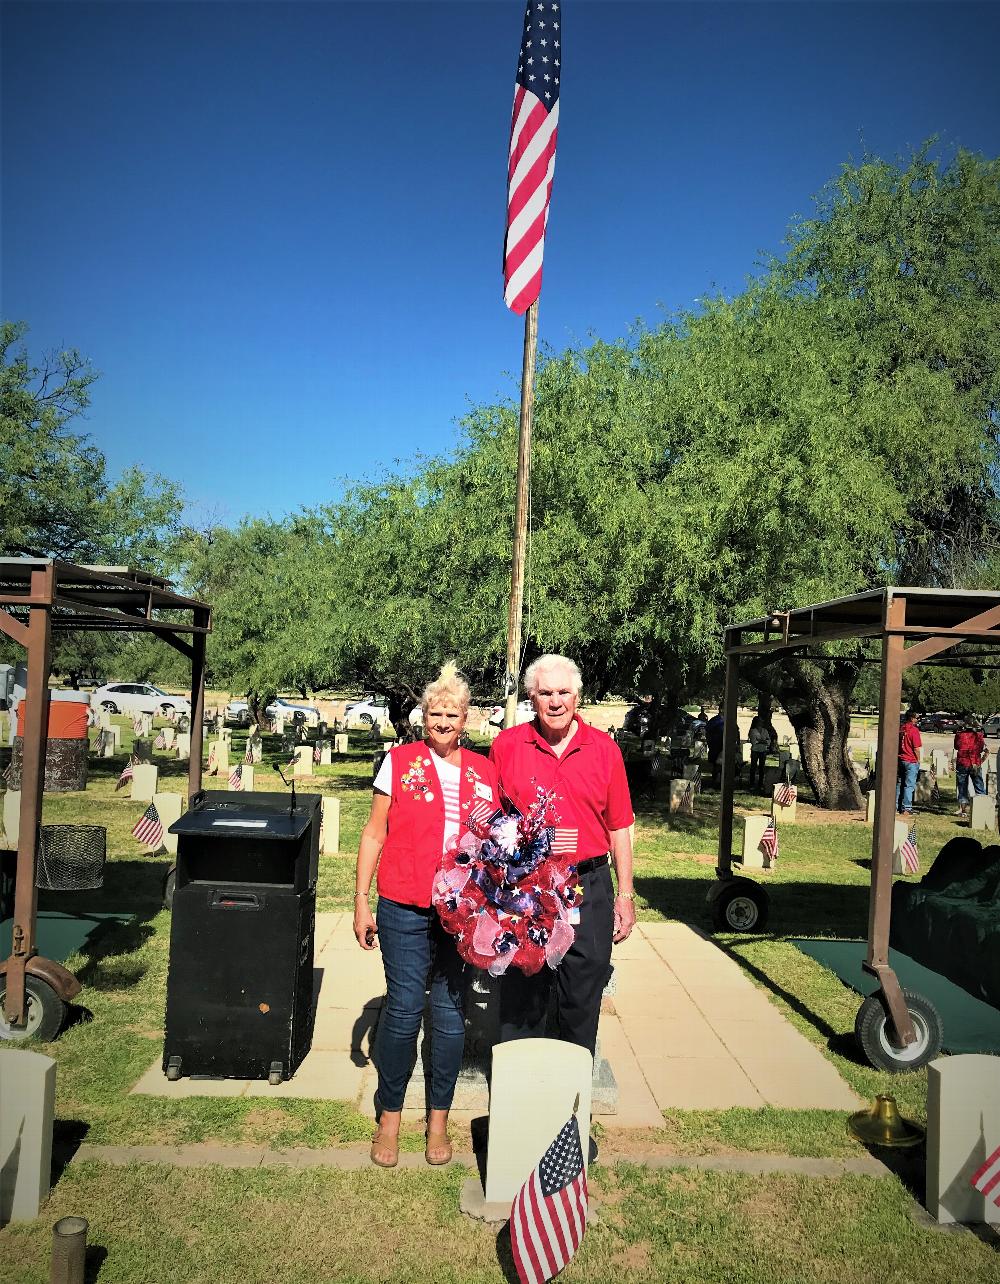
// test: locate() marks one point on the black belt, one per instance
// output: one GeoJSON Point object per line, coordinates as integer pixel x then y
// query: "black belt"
{"type": "Point", "coordinates": [591, 863]}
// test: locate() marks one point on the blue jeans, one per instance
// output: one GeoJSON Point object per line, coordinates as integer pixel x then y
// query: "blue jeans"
{"type": "Point", "coordinates": [906, 782]}
{"type": "Point", "coordinates": [963, 775]}
{"type": "Point", "coordinates": [417, 952]}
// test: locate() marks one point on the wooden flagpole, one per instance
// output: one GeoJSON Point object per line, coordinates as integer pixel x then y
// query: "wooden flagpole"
{"type": "Point", "coordinates": [520, 515]}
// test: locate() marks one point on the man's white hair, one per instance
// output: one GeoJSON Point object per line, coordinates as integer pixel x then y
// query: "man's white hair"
{"type": "Point", "coordinates": [551, 661]}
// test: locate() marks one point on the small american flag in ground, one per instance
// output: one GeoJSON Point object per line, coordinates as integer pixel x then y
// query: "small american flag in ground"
{"type": "Point", "coordinates": [785, 795]}
{"type": "Point", "coordinates": [248, 756]}
{"type": "Point", "coordinates": [769, 840]}
{"type": "Point", "coordinates": [8, 773]}
{"type": "Point", "coordinates": [236, 777]}
{"type": "Point", "coordinates": [213, 761]}
{"type": "Point", "coordinates": [908, 853]}
{"type": "Point", "coordinates": [987, 1179]}
{"type": "Point", "coordinates": [562, 842]}
{"type": "Point", "coordinates": [317, 754]}
{"type": "Point", "coordinates": [160, 742]}
{"type": "Point", "coordinates": [149, 828]}
{"type": "Point", "coordinates": [549, 1215]}
{"type": "Point", "coordinates": [137, 726]}
{"type": "Point", "coordinates": [126, 775]}
{"type": "Point", "coordinates": [533, 130]}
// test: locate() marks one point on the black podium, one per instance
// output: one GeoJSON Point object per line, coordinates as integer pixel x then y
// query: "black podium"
{"type": "Point", "coordinates": [240, 979]}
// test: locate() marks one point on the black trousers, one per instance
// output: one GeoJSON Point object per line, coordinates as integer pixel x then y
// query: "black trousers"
{"type": "Point", "coordinates": [579, 980]}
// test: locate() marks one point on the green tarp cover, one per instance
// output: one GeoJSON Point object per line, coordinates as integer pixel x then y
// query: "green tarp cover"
{"type": "Point", "coordinates": [60, 935]}
{"type": "Point", "coordinates": [970, 1025]}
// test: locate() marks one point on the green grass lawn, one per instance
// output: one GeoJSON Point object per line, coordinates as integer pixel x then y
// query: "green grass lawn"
{"type": "Point", "coordinates": [220, 1224]}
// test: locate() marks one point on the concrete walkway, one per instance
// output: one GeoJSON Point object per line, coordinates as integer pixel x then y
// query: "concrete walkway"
{"type": "Point", "coordinates": [685, 1029]}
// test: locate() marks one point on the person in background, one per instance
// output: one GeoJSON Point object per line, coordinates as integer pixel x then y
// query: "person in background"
{"type": "Point", "coordinates": [420, 794]}
{"type": "Point", "coordinates": [761, 737]}
{"type": "Point", "coordinates": [715, 729]}
{"type": "Point", "coordinates": [909, 763]}
{"type": "Point", "coordinates": [970, 753]}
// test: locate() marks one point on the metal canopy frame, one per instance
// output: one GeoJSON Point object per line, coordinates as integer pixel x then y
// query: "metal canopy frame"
{"type": "Point", "coordinates": [912, 625]}
{"type": "Point", "coordinates": [40, 596]}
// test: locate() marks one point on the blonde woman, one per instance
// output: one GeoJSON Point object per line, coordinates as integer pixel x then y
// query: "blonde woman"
{"type": "Point", "coordinates": [421, 793]}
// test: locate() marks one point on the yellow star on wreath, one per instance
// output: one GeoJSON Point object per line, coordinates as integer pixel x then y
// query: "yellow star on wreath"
{"type": "Point", "coordinates": [578, 890]}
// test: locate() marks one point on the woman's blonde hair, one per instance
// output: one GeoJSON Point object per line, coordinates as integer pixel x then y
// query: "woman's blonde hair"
{"type": "Point", "coordinates": [448, 685]}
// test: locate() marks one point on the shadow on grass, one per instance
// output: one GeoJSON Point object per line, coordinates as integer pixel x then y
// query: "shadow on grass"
{"type": "Point", "coordinates": [68, 1135]}
{"type": "Point", "coordinates": [796, 909]}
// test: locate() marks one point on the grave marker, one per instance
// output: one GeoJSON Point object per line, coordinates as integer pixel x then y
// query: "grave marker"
{"type": "Point", "coordinates": [27, 1108]}
{"type": "Point", "coordinates": [169, 807]}
{"type": "Point", "coordinates": [963, 1129]}
{"type": "Point", "coordinates": [329, 834]}
{"type": "Point", "coordinates": [753, 832]}
{"type": "Point", "coordinates": [340, 742]}
{"type": "Point", "coordinates": [104, 719]}
{"type": "Point", "coordinates": [144, 779]}
{"type": "Point", "coordinates": [984, 813]}
{"type": "Point", "coordinates": [303, 764]}
{"type": "Point", "coordinates": [12, 817]}
{"type": "Point", "coordinates": [183, 746]}
{"type": "Point", "coordinates": [524, 1124]}
{"type": "Point", "coordinates": [169, 736]}
{"type": "Point", "coordinates": [870, 808]}
{"type": "Point", "coordinates": [941, 761]}
{"type": "Point", "coordinates": [784, 812]}
{"type": "Point", "coordinates": [246, 778]}
{"type": "Point", "coordinates": [900, 829]}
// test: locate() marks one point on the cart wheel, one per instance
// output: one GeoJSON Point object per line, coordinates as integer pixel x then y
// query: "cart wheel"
{"type": "Point", "coordinates": [739, 905]}
{"type": "Point", "coordinates": [46, 1011]}
{"type": "Point", "coordinates": [872, 1027]}
{"type": "Point", "coordinates": [366, 719]}
{"type": "Point", "coordinates": [276, 1074]}
{"type": "Point", "coordinates": [169, 883]}
{"type": "Point", "coordinates": [173, 1071]}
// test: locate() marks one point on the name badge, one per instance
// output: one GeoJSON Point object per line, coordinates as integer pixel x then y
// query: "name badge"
{"type": "Point", "coordinates": [483, 791]}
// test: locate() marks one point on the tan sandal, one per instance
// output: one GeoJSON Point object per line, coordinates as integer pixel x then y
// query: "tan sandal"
{"type": "Point", "coordinates": [384, 1144]}
{"type": "Point", "coordinates": [437, 1141]}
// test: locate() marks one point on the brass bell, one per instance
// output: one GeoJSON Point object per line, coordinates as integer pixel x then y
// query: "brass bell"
{"type": "Point", "coordinates": [882, 1125]}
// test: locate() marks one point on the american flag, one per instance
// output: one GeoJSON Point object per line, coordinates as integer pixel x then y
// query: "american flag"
{"type": "Point", "coordinates": [785, 795]}
{"type": "Point", "coordinates": [100, 741]}
{"type": "Point", "coordinates": [213, 761]}
{"type": "Point", "coordinates": [236, 777]}
{"type": "Point", "coordinates": [908, 852]}
{"type": "Point", "coordinates": [935, 791]}
{"type": "Point", "coordinates": [317, 753]}
{"type": "Point", "coordinates": [137, 725]}
{"type": "Point", "coordinates": [126, 775]}
{"type": "Point", "coordinates": [769, 840]}
{"type": "Point", "coordinates": [481, 813]}
{"type": "Point", "coordinates": [160, 742]}
{"type": "Point", "coordinates": [987, 1179]}
{"type": "Point", "coordinates": [549, 1214]}
{"type": "Point", "coordinates": [149, 828]}
{"type": "Point", "coordinates": [562, 842]}
{"type": "Point", "coordinates": [248, 756]}
{"type": "Point", "coordinates": [533, 130]}
{"type": "Point", "coordinates": [8, 773]}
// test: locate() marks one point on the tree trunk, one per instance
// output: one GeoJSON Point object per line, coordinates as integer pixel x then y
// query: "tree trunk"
{"type": "Point", "coordinates": [816, 698]}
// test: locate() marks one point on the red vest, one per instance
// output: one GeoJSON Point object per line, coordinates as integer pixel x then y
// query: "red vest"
{"type": "Point", "coordinates": [413, 845]}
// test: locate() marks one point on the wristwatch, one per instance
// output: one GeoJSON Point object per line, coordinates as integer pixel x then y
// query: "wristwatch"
{"type": "Point", "coordinates": [627, 896]}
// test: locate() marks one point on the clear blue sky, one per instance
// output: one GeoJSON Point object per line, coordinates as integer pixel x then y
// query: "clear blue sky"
{"type": "Point", "coordinates": [276, 228]}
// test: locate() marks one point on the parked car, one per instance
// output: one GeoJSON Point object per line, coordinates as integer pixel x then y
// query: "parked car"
{"type": "Point", "coordinates": [991, 726]}
{"type": "Point", "coordinates": [367, 711]}
{"type": "Point", "coordinates": [138, 697]}
{"type": "Point", "coordinates": [939, 722]}
{"type": "Point", "coordinates": [524, 713]}
{"type": "Point", "coordinates": [238, 711]}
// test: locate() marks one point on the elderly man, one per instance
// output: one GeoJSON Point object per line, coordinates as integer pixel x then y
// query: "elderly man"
{"type": "Point", "coordinates": [585, 770]}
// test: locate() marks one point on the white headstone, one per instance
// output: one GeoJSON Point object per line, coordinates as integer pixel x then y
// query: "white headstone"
{"type": "Point", "coordinates": [169, 807]}
{"type": "Point", "coordinates": [784, 813]}
{"type": "Point", "coordinates": [941, 761]}
{"type": "Point", "coordinates": [303, 765]}
{"type": "Point", "coordinates": [330, 832]}
{"type": "Point", "coordinates": [12, 817]}
{"type": "Point", "coordinates": [984, 813]}
{"type": "Point", "coordinates": [114, 734]}
{"type": "Point", "coordinates": [524, 1123]}
{"type": "Point", "coordinates": [870, 808]}
{"type": "Point", "coordinates": [340, 742]}
{"type": "Point", "coordinates": [246, 778]}
{"type": "Point", "coordinates": [108, 743]}
{"type": "Point", "coordinates": [104, 719]}
{"type": "Point", "coordinates": [325, 755]}
{"type": "Point", "coordinates": [27, 1107]}
{"type": "Point", "coordinates": [144, 778]}
{"type": "Point", "coordinates": [218, 757]}
{"type": "Point", "coordinates": [183, 745]}
{"type": "Point", "coordinates": [682, 794]}
{"type": "Point", "coordinates": [147, 724]}
{"type": "Point", "coordinates": [963, 1128]}
{"type": "Point", "coordinates": [169, 735]}
{"type": "Point", "coordinates": [900, 829]}
{"type": "Point", "coordinates": [753, 832]}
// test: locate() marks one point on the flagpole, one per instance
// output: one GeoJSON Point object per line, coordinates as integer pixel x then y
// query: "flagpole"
{"type": "Point", "coordinates": [520, 515]}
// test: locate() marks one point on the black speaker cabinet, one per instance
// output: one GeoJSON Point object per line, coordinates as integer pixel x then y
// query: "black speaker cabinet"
{"type": "Point", "coordinates": [240, 978]}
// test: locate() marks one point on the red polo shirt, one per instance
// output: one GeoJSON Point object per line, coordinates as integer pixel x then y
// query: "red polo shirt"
{"type": "Point", "coordinates": [591, 790]}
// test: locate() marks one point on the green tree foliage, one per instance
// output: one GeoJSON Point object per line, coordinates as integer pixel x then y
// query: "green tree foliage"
{"type": "Point", "coordinates": [57, 499]}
